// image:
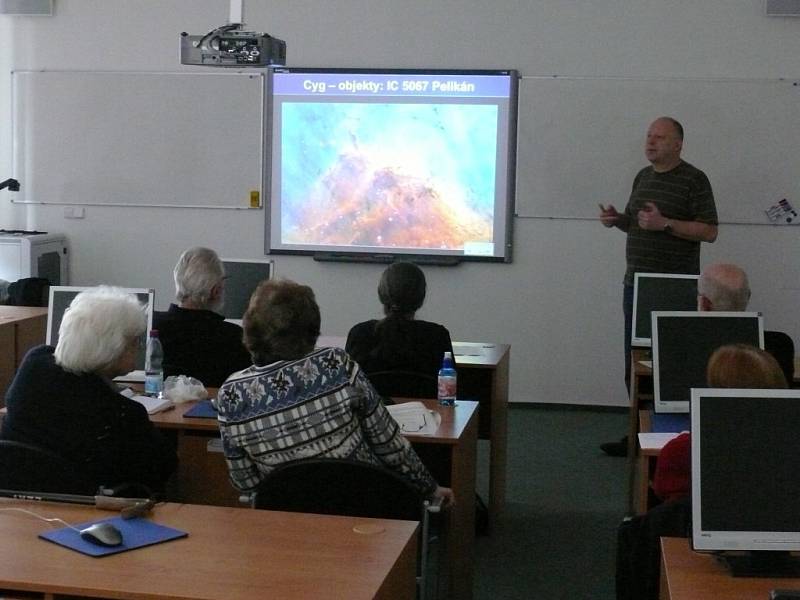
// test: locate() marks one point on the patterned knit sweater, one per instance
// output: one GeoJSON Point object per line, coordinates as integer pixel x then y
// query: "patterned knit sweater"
{"type": "Point", "coordinates": [319, 406]}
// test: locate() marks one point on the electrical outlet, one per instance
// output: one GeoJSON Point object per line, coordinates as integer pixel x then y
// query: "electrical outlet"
{"type": "Point", "coordinates": [74, 212]}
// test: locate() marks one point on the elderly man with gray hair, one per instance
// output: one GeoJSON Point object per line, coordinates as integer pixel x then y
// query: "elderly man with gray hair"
{"type": "Point", "coordinates": [197, 340]}
{"type": "Point", "coordinates": [725, 287]}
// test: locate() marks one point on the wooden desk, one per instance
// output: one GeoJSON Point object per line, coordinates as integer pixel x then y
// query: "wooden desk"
{"type": "Point", "coordinates": [688, 575]}
{"type": "Point", "coordinates": [21, 328]}
{"type": "Point", "coordinates": [645, 459]}
{"type": "Point", "coordinates": [641, 397]}
{"type": "Point", "coordinates": [230, 553]}
{"type": "Point", "coordinates": [483, 375]}
{"type": "Point", "coordinates": [450, 455]}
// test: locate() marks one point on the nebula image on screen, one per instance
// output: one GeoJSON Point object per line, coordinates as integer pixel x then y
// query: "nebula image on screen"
{"type": "Point", "coordinates": [399, 175]}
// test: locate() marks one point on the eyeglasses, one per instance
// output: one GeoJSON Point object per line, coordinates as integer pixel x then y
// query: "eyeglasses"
{"type": "Point", "coordinates": [414, 427]}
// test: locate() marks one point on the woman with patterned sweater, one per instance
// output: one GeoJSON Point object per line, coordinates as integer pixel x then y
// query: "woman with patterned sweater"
{"type": "Point", "coordinates": [296, 402]}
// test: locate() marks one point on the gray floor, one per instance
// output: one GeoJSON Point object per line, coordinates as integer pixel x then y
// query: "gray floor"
{"type": "Point", "coordinates": [565, 500]}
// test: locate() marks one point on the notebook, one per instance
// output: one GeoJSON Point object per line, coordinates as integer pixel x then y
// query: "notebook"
{"type": "Point", "coordinates": [151, 405]}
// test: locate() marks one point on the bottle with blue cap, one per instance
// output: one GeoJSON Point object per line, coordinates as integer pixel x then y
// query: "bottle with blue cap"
{"type": "Point", "coordinates": [447, 381]}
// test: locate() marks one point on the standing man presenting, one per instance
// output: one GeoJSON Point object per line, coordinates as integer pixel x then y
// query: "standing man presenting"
{"type": "Point", "coordinates": [670, 211]}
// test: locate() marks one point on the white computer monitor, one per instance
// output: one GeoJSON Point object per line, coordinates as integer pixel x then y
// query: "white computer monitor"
{"type": "Point", "coordinates": [745, 483]}
{"type": "Point", "coordinates": [242, 276]}
{"type": "Point", "coordinates": [659, 291]}
{"type": "Point", "coordinates": [62, 295]}
{"type": "Point", "coordinates": [682, 344]}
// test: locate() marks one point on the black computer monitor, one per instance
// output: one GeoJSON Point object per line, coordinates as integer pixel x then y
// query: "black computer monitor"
{"type": "Point", "coordinates": [745, 482]}
{"type": "Point", "coordinates": [62, 295]}
{"type": "Point", "coordinates": [682, 344]}
{"type": "Point", "coordinates": [242, 276]}
{"type": "Point", "coordinates": [659, 291]}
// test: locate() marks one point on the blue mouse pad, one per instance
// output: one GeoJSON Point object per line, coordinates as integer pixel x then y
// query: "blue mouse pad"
{"type": "Point", "coordinates": [203, 409]}
{"type": "Point", "coordinates": [136, 533]}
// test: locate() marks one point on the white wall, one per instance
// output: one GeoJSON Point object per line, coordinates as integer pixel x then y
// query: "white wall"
{"type": "Point", "coordinates": [558, 303]}
{"type": "Point", "coordinates": [6, 62]}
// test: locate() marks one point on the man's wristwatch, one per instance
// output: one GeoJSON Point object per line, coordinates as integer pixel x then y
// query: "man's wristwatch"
{"type": "Point", "coordinates": [668, 227]}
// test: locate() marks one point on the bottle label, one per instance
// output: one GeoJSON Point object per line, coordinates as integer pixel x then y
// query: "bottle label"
{"type": "Point", "coordinates": [447, 389]}
{"type": "Point", "coordinates": [154, 384]}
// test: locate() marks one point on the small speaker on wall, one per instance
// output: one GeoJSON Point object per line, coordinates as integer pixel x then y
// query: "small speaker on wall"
{"type": "Point", "coordinates": [27, 8]}
{"type": "Point", "coordinates": [782, 8]}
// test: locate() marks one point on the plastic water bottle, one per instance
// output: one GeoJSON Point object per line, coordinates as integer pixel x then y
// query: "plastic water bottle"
{"type": "Point", "coordinates": [153, 366]}
{"type": "Point", "coordinates": [447, 381]}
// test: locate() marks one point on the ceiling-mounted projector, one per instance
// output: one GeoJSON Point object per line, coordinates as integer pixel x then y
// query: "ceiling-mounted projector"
{"type": "Point", "coordinates": [229, 46]}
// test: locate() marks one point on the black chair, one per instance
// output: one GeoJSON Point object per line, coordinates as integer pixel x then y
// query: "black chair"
{"type": "Point", "coordinates": [30, 468]}
{"type": "Point", "coordinates": [31, 291]}
{"type": "Point", "coordinates": [403, 384]}
{"type": "Point", "coordinates": [639, 548]}
{"type": "Point", "coordinates": [350, 488]}
{"type": "Point", "coordinates": [339, 487]}
{"type": "Point", "coordinates": [781, 346]}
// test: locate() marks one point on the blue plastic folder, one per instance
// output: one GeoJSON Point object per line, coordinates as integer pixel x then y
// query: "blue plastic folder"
{"type": "Point", "coordinates": [203, 410]}
{"type": "Point", "coordinates": [670, 422]}
{"type": "Point", "coordinates": [136, 533]}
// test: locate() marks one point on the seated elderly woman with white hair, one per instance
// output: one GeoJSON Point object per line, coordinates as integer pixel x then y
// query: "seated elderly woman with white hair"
{"type": "Point", "coordinates": [64, 399]}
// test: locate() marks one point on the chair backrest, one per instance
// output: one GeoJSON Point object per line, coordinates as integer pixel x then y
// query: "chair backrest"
{"type": "Point", "coordinates": [639, 548]}
{"type": "Point", "coordinates": [339, 487]}
{"type": "Point", "coordinates": [781, 346]}
{"type": "Point", "coordinates": [30, 468]}
{"type": "Point", "coordinates": [403, 384]}
{"type": "Point", "coordinates": [31, 291]}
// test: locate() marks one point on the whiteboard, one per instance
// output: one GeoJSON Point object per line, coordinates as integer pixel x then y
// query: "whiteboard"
{"type": "Point", "coordinates": [581, 141]}
{"type": "Point", "coordinates": [150, 139]}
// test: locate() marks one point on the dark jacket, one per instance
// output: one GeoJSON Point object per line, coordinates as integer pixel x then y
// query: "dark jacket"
{"type": "Point", "coordinates": [405, 345]}
{"type": "Point", "coordinates": [200, 344]}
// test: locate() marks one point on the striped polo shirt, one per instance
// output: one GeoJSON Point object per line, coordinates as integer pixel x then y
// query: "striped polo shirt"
{"type": "Point", "coordinates": [684, 194]}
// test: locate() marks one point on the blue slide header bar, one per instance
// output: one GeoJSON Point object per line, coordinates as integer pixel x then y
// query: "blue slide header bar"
{"type": "Point", "coordinates": [442, 85]}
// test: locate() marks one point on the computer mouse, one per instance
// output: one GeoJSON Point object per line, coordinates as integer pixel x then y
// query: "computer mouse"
{"type": "Point", "coordinates": [102, 534]}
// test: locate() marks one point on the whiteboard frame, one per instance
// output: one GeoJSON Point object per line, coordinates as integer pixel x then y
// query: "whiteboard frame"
{"type": "Point", "coordinates": [523, 210]}
{"type": "Point", "coordinates": [261, 73]}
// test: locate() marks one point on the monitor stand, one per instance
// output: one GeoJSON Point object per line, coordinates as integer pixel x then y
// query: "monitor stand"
{"type": "Point", "coordinates": [763, 563]}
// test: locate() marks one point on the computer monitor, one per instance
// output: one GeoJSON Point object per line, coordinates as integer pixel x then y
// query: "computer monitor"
{"type": "Point", "coordinates": [242, 275]}
{"type": "Point", "coordinates": [682, 344]}
{"type": "Point", "coordinates": [745, 483]}
{"type": "Point", "coordinates": [62, 295]}
{"type": "Point", "coordinates": [659, 291]}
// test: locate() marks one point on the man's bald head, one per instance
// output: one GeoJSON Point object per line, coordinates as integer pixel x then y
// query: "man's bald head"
{"type": "Point", "coordinates": [663, 144]}
{"type": "Point", "coordinates": [723, 287]}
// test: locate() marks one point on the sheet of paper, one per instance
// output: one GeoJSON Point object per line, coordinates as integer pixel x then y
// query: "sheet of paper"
{"type": "Point", "coordinates": [655, 441]}
{"type": "Point", "coordinates": [414, 417]}
{"type": "Point", "coordinates": [153, 405]}
{"type": "Point", "coordinates": [132, 377]}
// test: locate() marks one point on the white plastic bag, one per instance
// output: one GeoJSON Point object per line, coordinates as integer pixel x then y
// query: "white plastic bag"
{"type": "Point", "coordinates": [181, 389]}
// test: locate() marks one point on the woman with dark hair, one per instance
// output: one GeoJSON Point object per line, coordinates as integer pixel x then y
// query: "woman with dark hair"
{"type": "Point", "coordinates": [398, 342]}
{"type": "Point", "coordinates": [296, 402]}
